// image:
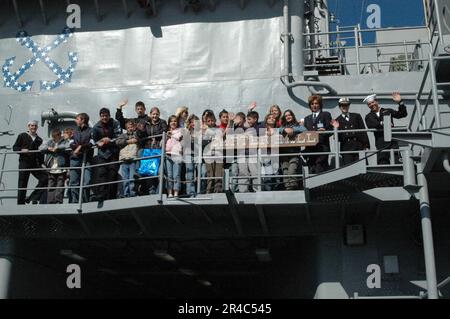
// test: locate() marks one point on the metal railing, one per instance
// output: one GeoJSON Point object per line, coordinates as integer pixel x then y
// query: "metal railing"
{"type": "Point", "coordinates": [420, 112]}
{"type": "Point", "coordinates": [335, 154]}
{"type": "Point", "coordinates": [356, 35]}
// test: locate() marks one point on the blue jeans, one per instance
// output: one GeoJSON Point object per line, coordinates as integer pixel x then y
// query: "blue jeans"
{"type": "Point", "coordinates": [74, 180]}
{"type": "Point", "coordinates": [173, 169]}
{"type": "Point", "coordinates": [190, 184]}
{"type": "Point", "coordinates": [127, 171]}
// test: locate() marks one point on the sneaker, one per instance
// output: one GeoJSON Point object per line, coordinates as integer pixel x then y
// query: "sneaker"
{"type": "Point", "coordinates": [170, 196]}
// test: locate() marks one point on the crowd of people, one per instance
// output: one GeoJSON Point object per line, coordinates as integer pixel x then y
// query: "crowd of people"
{"type": "Point", "coordinates": [127, 152]}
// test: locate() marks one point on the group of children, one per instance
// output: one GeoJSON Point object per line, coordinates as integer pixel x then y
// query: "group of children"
{"type": "Point", "coordinates": [127, 148]}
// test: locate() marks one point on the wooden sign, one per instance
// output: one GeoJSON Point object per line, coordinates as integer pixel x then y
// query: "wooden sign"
{"type": "Point", "coordinates": [240, 141]}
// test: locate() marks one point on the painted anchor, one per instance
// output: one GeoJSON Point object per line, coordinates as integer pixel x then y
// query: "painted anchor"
{"type": "Point", "coordinates": [39, 54]}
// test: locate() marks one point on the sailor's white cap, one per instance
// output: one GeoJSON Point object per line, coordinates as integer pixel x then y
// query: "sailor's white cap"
{"type": "Point", "coordinates": [344, 100]}
{"type": "Point", "coordinates": [370, 98]}
{"type": "Point", "coordinates": [33, 122]}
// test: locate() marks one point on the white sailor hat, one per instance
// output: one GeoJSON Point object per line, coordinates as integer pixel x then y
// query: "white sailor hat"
{"type": "Point", "coordinates": [344, 100]}
{"type": "Point", "coordinates": [370, 98]}
{"type": "Point", "coordinates": [32, 122]}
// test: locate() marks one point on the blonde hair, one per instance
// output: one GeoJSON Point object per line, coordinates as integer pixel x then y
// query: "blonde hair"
{"type": "Point", "coordinates": [180, 110]}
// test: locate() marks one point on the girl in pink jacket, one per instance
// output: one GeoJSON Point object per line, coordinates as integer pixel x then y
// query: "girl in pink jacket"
{"type": "Point", "coordinates": [173, 157]}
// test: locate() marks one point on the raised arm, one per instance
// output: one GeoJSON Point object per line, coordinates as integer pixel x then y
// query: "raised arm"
{"type": "Point", "coordinates": [401, 113]}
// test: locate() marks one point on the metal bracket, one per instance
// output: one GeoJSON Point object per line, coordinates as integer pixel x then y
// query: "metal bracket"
{"type": "Point", "coordinates": [387, 128]}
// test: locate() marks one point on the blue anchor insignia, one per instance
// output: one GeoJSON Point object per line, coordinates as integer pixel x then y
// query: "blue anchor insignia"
{"type": "Point", "coordinates": [39, 54]}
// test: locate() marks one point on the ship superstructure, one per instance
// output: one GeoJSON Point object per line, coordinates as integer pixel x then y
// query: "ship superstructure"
{"type": "Point", "coordinates": [362, 230]}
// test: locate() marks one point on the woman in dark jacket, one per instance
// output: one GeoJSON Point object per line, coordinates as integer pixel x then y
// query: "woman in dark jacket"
{"type": "Point", "coordinates": [147, 134]}
{"type": "Point", "coordinates": [147, 131]}
{"type": "Point", "coordinates": [289, 164]}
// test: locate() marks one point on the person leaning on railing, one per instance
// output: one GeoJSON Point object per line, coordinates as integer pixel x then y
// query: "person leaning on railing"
{"type": "Point", "coordinates": [26, 142]}
{"type": "Point", "coordinates": [81, 145]}
{"type": "Point", "coordinates": [104, 134]}
{"type": "Point", "coordinates": [248, 166]}
{"type": "Point", "coordinates": [150, 135]}
{"type": "Point", "coordinates": [290, 164]}
{"type": "Point", "coordinates": [237, 126]}
{"type": "Point", "coordinates": [214, 166]}
{"type": "Point", "coordinates": [56, 157]}
{"type": "Point", "coordinates": [128, 143]}
{"type": "Point", "coordinates": [374, 120]}
{"type": "Point", "coordinates": [189, 146]}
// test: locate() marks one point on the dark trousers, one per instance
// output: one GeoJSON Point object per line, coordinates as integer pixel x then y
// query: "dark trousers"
{"type": "Point", "coordinates": [384, 157]}
{"type": "Point", "coordinates": [215, 173]}
{"type": "Point", "coordinates": [56, 195]}
{"type": "Point", "coordinates": [317, 163]}
{"type": "Point", "coordinates": [351, 145]}
{"type": "Point", "coordinates": [104, 174]}
{"type": "Point", "coordinates": [38, 194]}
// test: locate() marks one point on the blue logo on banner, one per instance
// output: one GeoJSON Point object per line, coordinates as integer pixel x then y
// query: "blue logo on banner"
{"type": "Point", "coordinates": [11, 79]}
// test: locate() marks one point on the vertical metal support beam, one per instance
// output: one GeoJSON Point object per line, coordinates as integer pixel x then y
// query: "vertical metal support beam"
{"type": "Point", "coordinates": [387, 128]}
{"type": "Point", "coordinates": [161, 166]}
{"type": "Point", "coordinates": [358, 62]}
{"type": "Point", "coordinates": [16, 10]}
{"type": "Point", "coordinates": [360, 34]}
{"type": "Point", "coordinates": [259, 167]}
{"type": "Point", "coordinates": [80, 195]}
{"type": "Point", "coordinates": [3, 167]}
{"type": "Point", "coordinates": [44, 16]}
{"type": "Point", "coordinates": [226, 180]}
{"type": "Point", "coordinates": [405, 52]}
{"type": "Point", "coordinates": [437, 114]}
{"type": "Point", "coordinates": [295, 12]}
{"type": "Point", "coordinates": [312, 29]}
{"type": "Point", "coordinates": [286, 39]}
{"type": "Point", "coordinates": [301, 40]}
{"type": "Point", "coordinates": [419, 114]}
{"type": "Point", "coordinates": [409, 172]}
{"type": "Point", "coordinates": [5, 273]}
{"type": "Point", "coordinates": [437, 10]}
{"type": "Point", "coordinates": [125, 8]}
{"type": "Point", "coordinates": [199, 135]}
{"type": "Point", "coordinates": [336, 146]}
{"type": "Point", "coordinates": [392, 156]}
{"type": "Point", "coordinates": [427, 234]}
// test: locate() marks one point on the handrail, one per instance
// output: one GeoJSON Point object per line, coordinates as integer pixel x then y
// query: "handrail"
{"type": "Point", "coordinates": [366, 30]}
{"type": "Point", "coordinates": [370, 45]}
{"type": "Point", "coordinates": [336, 152]}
